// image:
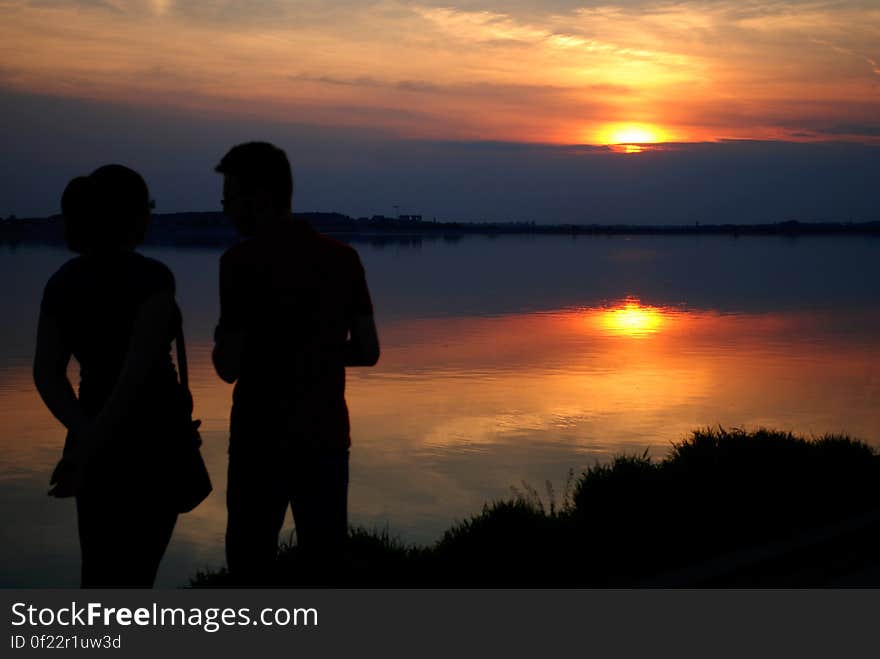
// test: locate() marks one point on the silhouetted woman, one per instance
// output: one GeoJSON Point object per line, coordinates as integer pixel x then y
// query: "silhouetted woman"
{"type": "Point", "coordinates": [114, 311]}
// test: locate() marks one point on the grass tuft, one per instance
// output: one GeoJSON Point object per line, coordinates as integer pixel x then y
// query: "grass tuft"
{"type": "Point", "coordinates": [718, 493]}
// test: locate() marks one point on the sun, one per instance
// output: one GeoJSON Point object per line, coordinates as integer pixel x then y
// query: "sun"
{"type": "Point", "coordinates": [631, 138]}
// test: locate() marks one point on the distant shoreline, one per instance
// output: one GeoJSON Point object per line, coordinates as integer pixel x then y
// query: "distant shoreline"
{"type": "Point", "coordinates": [212, 228]}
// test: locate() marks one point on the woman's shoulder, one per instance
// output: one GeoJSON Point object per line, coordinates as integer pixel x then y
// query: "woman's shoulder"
{"type": "Point", "coordinates": [68, 271]}
{"type": "Point", "coordinates": [154, 272]}
{"type": "Point", "coordinates": [59, 285]}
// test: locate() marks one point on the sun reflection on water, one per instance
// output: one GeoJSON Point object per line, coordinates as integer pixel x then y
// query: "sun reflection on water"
{"type": "Point", "coordinates": [631, 318]}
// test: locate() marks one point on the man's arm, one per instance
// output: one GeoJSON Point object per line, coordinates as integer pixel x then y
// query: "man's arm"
{"type": "Point", "coordinates": [229, 337]}
{"type": "Point", "coordinates": [228, 349]}
{"type": "Point", "coordinates": [362, 349]}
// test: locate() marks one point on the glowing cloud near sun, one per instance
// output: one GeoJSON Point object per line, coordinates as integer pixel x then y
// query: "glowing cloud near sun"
{"type": "Point", "coordinates": [585, 73]}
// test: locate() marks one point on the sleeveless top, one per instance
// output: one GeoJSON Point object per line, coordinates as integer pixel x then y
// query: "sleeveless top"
{"type": "Point", "coordinates": [95, 300]}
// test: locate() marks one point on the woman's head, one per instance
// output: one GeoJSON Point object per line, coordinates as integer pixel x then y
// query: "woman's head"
{"type": "Point", "coordinates": [107, 210]}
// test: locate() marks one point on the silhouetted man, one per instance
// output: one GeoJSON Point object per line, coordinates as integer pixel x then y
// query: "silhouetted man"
{"type": "Point", "coordinates": [294, 312]}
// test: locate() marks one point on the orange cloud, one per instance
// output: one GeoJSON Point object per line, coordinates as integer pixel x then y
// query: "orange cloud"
{"type": "Point", "coordinates": [697, 70]}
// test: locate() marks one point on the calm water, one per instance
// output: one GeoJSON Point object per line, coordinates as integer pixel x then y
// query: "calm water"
{"type": "Point", "coordinates": [504, 360]}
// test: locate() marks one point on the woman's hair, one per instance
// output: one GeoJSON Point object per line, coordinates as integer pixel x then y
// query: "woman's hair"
{"type": "Point", "coordinates": [76, 207]}
{"type": "Point", "coordinates": [106, 210]}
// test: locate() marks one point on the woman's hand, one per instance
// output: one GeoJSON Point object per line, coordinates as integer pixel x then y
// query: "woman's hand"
{"type": "Point", "coordinates": [69, 474]}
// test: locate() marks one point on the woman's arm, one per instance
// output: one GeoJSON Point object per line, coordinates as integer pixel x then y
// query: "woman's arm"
{"type": "Point", "coordinates": [50, 375]}
{"type": "Point", "coordinates": [155, 319]}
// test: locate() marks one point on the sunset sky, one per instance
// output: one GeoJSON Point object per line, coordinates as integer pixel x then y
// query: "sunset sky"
{"type": "Point", "coordinates": [405, 82]}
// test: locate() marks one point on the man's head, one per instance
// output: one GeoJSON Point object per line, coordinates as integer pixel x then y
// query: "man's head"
{"type": "Point", "coordinates": [257, 185]}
